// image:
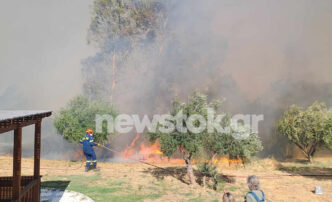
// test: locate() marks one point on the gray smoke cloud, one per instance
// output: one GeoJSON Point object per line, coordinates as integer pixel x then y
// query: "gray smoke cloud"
{"type": "Point", "coordinates": [41, 47]}
{"type": "Point", "coordinates": [236, 46]}
{"type": "Point", "coordinates": [261, 55]}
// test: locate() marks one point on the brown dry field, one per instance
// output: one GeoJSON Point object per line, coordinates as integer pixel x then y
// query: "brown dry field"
{"type": "Point", "coordinates": [145, 179]}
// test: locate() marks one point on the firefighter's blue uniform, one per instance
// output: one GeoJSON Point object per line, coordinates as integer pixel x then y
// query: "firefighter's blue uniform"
{"type": "Point", "coordinates": [88, 151]}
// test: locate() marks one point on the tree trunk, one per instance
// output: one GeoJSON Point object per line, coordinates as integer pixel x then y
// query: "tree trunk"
{"type": "Point", "coordinates": [311, 154]}
{"type": "Point", "coordinates": [190, 172]}
{"type": "Point", "coordinates": [213, 158]}
{"type": "Point", "coordinates": [308, 152]}
{"type": "Point", "coordinates": [229, 160]}
{"type": "Point", "coordinates": [113, 75]}
{"type": "Point", "coordinates": [308, 155]}
{"type": "Point", "coordinates": [243, 161]}
{"type": "Point", "coordinates": [215, 184]}
{"type": "Point", "coordinates": [204, 181]}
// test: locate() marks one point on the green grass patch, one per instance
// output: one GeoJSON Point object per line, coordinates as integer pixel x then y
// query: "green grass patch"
{"type": "Point", "coordinates": [132, 197]}
{"type": "Point", "coordinates": [116, 183]}
{"type": "Point", "coordinates": [57, 184]}
{"type": "Point", "coordinates": [100, 189]}
{"type": "Point", "coordinates": [197, 199]}
{"type": "Point", "coordinates": [187, 194]}
{"type": "Point", "coordinates": [233, 188]}
{"type": "Point", "coordinates": [153, 188]}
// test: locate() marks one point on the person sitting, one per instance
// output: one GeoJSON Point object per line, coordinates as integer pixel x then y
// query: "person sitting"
{"type": "Point", "coordinates": [228, 197]}
{"type": "Point", "coordinates": [255, 194]}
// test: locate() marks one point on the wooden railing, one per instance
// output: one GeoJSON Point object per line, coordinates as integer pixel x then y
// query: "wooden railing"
{"type": "Point", "coordinates": [31, 192]}
{"type": "Point", "coordinates": [30, 189]}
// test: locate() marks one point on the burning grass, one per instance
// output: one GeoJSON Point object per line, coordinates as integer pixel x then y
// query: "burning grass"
{"type": "Point", "coordinates": [151, 153]}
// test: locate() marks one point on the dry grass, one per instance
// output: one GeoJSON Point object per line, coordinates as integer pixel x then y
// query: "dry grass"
{"type": "Point", "coordinates": [139, 182]}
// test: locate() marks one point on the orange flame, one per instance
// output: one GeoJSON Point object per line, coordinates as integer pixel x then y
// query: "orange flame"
{"type": "Point", "coordinates": [129, 151]}
{"type": "Point", "coordinates": [152, 153]}
{"type": "Point", "coordinates": [147, 152]}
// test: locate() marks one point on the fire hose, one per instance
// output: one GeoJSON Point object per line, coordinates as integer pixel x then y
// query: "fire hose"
{"type": "Point", "coordinates": [109, 149]}
{"type": "Point", "coordinates": [137, 160]}
{"type": "Point", "coordinates": [224, 176]}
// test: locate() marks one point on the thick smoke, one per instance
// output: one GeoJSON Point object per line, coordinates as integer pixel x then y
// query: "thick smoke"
{"type": "Point", "coordinates": [262, 56]}
{"type": "Point", "coordinates": [41, 47]}
{"type": "Point", "coordinates": [248, 45]}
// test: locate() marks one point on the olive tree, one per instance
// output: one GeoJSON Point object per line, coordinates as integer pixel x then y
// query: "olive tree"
{"type": "Point", "coordinates": [215, 142]}
{"type": "Point", "coordinates": [327, 139]}
{"type": "Point", "coordinates": [80, 114]}
{"type": "Point", "coordinates": [242, 143]}
{"type": "Point", "coordinates": [307, 128]}
{"type": "Point", "coordinates": [236, 139]}
{"type": "Point", "coordinates": [184, 141]}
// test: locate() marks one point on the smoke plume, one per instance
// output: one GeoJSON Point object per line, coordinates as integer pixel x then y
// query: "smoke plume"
{"type": "Point", "coordinates": [262, 56]}
{"type": "Point", "coordinates": [41, 47]}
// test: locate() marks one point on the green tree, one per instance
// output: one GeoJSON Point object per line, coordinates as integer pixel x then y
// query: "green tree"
{"type": "Point", "coordinates": [327, 139]}
{"type": "Point", "coordinates": [307, 128]}
{"type": "Point", "coordinates": [188, 144]}
{"type": "Point", "coordinates": [80, 114]}
{"type": "Point", "coordinates": [242, 143]}
{"type": "Point", "coordinates": [209, 170]}
{"type": "Point", "coordinates": [238, 141]}
{"type": "Point", "coordinates": [215, 143]}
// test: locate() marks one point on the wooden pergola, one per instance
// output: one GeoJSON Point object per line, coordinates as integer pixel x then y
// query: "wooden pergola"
{"type": "Point", "coordinates": [17, 187]}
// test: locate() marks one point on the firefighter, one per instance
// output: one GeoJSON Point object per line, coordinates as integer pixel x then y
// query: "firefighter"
{"type": "Point", "coordinates": [90, 155]}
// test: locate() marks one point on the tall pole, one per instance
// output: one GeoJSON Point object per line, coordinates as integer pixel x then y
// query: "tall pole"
{"type": "Point", "coordinates": [17, 163]}
{"type": "Point", "coordinates": [36, 172]}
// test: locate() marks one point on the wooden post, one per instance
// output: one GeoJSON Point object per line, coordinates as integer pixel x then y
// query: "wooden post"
{"type": "Point", "coordinates": [36, 172]}
{"type": "Point", "coordinates": [17, 163]}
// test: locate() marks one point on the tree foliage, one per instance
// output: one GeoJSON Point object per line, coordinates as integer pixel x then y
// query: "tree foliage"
{"type": "Point", "coordinates": [216, 143]}
{"type": "Point", "coordinates": [80, 114]}
{"type": "Point", "coordinates": [239, 142]}
{"type": "Point", "coordinates": [118, 24]}
{"type": "Point", "coordinates": [209, 170]}
{"type": "Point", "coordinates": [307, 128]}
{"type": "Point", "coordinates": [327, 139]}
{"type": "Point", "coordinates": [205, 144]}
{"type": "Point", "coordinates": [185, 142]}
{"type": "Point", "coordinates": [243, 148]}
